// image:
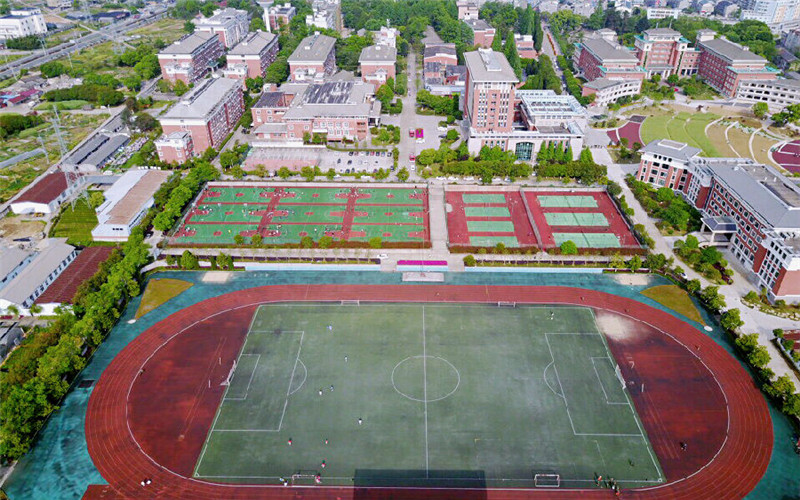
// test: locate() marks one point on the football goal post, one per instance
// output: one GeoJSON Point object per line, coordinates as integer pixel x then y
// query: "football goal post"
{"type": "Point", "coordinates": [547, 480]}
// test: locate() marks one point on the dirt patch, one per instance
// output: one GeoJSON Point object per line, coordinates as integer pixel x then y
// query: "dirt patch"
{"type": "Point", "coordinates": [632, 279]}
{"type": "Point", "coordinates": [16, 227]}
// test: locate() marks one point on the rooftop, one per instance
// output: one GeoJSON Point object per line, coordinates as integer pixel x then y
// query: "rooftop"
{"type": "Point", "coordinates": [271, 100]}
{"type": "Point", "coordinates": [432, 50]}
{"type": "Point", "coordinates": [189, 43]}
{"type": "Point", "coordinates": [378, 53]}
{"type": "Point", "coordinates": [605, 83]}
{"type": "Point", "coordinates": [672, 149]}
{"type": "Point", "coordinates": [10, 258]}
{"type": "Point", "coordinates": [337, 98]}
{"type": "Point", "coordinates": [733, 52]}
{"type": "Point", "coordinates": [606, 51]}
{"type": "Point", "coordinates": [35, 273]}
{"type": "Point", "coordinates": [662, 32]}
{"type": "Point", "coordinates": [314, 48]}
{"type": "Point", "coordinates": [46, 190]}
{"type": "Point", "coordinates": [253, 44]}
{"type": "Point", "coordinates": [222, 16]}
{"type": "Point", "coordinates": [110, 147]}
{"type": "Point", "coordinates": [547, 102]}
{"type": "Point", "coordinates": [486, 65]}
{"type": "Point", "coordinates": [202, 99]}
{"type": "Point", "coordinates": [64, 288]}
{"type": "Point", "coordinates": [125, 199]}
{"type": "Point", "coordinates": [478, 24]}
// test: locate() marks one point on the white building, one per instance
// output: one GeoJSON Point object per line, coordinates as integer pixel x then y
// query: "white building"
{"type": "Point", "coordinates": [127, 202]}
{"type": "Point", "coordinates": [12, 262]}
{"type": "Point", "coordinates": [386, 36]}
{"type": "Point", "coordinates": [779, 15]}
{"type": "Point", "coordinates": [22, 22]}
{"type": "Point", "coordinates": [230, 25]}
{"type": "Point", "coordinates": [33, 279]}
{"type": "Point", "coordinates": [608, 90]}
{"type": "Point", "coordinates": [46, 195]}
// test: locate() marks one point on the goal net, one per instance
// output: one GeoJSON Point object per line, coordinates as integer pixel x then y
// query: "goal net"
{"type": "Point", "coordinates": [506, 304]}
{"type": "Point", "coordinates": [547, 480]}
{"type": "Point", "coordinates": [618, 372]}
{"type": "Point", "coordinates": [350, 302]}
{"type": "Point", "coordinates": [304, 477]}
{"type": "Point", "coordinates": [227, 380]}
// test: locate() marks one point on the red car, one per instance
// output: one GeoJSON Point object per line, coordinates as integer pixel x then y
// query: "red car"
{"type": "Point", "coordinates": [412, 158]}
{"type": "Point", "coordinates": [411, 132]}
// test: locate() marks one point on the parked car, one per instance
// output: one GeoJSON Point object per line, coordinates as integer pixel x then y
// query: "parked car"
{"type": "Point", "coordinates": [350, 153]}
{"type": "Point", "coordinates": [412, 158]}
{"type": "Point", "coordinates": [411, 132]}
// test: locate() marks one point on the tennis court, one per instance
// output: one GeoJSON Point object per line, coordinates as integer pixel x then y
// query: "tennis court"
{"type": "Point", "coordinates": [588, 240]}
{"type": "Point", "coordinates": [566, 201]}
{"type": "Point", "coordinates": [484, 218]}
{"type": "Point", "coordinates": [576, 219]}
{"type": "Point", "coordinates": [283, 215]}
{"type": "Point", "coordinates": [381, 394]}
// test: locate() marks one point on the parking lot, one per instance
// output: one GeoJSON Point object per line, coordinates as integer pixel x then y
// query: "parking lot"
{"type": "Point", "coordinates": [273, 158]}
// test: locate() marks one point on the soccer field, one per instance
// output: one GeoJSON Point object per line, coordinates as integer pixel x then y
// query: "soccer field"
{"type": "Point", "coordinates": [426, 395]}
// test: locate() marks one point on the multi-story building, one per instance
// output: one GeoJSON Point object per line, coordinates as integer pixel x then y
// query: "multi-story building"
{"type": "Point", "coordinates": [209, 112]}
{"type": "Point", "coordinates": [326, 14]}
{"type": "Point", "coordinates": [190, 58]}
{"type": "Point", "coordinates": [467, 9]}
{"type": "Point", "coordinates": [482, 32]}
{"type": "Point", "coordinates": [665, 52]}
{"type": "Point", "coordinates": [22, 22]}
{"type": "Point", "coordinates": [779, 15]}
{"type": "Point", "coordinates": [442, 53]}
{"type": "Point", "coordinates": [230, 25]}
{"type": "Point", "coordinates": [313, 59]}
{"type": "Point", "coordinates": [525, 47]}
{"type": "Point", "coordinates": [606, 91]}
{"type": "Point", "coordinates": [341, 110]}
{"type": "Point", "coordinates": [252, 56]}
{"type": "Point", "coordinates": [280, 15]}
{"type": "Point", "coordinates": [776, 93]}
{"type": "Point", "coordinates": [31, 282]}
{"type": "Point", "coordinates": [791, 39]}
{"type": "Point", "coordinates": [612, 70]}
{"type": "Point", "coordinates": [753, 207]}
{"type": "Point", "coordinates": [386, 36]}
{"type": "Point", "coordinates": [377, 64]}
{"type": "Point", "coordinates": [175, 147]}
{"type": "Point", "coordinates": [724, 64]}
{"type": "Point", "coordinates": [498, 114]}
{"type": "Point", "coordinates": [126, 203]}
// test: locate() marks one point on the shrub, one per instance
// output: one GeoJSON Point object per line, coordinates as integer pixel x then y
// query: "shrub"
{"type": "Point", "coordinates": [469, 261]}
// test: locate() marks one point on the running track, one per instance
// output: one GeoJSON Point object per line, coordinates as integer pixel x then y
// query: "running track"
{"type": "Point", "coordinates": [732, 473]}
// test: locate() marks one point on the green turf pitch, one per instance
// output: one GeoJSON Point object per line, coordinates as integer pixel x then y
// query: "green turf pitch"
{"type": "Point", "coordinates": [490, 226]}
{"type": "Point", "coordinates": [452, 395]}
{"type": "Point", "coordinates": [487, 212]}
{"type": "Point", "coordinates": [575, 219]}
{"type": "Point", "coordinates": [483, 198]}
{"type": "Point", "coordinates": [490, 241]}
{"type": "Point", "coordinates": [567, 201]}
{"type": "Point", "coordinates": [588, 240]}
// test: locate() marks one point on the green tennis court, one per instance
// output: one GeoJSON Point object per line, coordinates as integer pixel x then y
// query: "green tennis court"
{"type": "Point", "coordinates": [487, 212]}
{"type": "Point", "coordinates": [490, 226]}
{"type": "Point", "coordinates": [310, 214]}
{"type": "Point", "coordinates": [205, 233]}
{"type": "Point", "coordinates": [588, 240]}
{"type": "Point", "coordinates": [384, 214]}
{"type": "Point", "coordinates": [490, 241]}
{"type": "Point", "coordinates": [483, 198]}
{"type": "Point", "coordinates": [553, 201]}
{"type": "Point", "coordinates": [298, 195]}
{"type": "Point", "coordinates": [575, 219]}
{"type": "Point", "coordinates": [425, 395]}
{"type": "Point", "coordinates": [225, 194]}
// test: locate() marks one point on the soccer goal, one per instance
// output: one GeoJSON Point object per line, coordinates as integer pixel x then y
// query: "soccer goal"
{"type": "Point", "coordinates": [506, 304]}
{"type": "Point", "coordinates": [547, 480]}
{"type": "Point", "coordinates": [618, 373]}
{"type": "Point", "coordinates": [351, 302]}
{"type": "Point", "coordinates": [304, 478]}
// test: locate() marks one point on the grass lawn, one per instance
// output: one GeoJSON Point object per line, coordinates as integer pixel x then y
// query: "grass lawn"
{"type": "Point", "coordinates": [682, 127]}
{"type": "Point", "coordinates": [761, 147]}
{"type": "Point", "coordinates": [676, 299]}
{"type": "Point", "coordinates": [75, 225]}
{"type": "Point", "coordinates": [655, 127]}
{"type": "Point", "coordinates": [447, 394]}
{"type": "Point", "coordinates": [739, 142]}
{"type": "Point", "coordinates": [159, 291]}
{"type": "Point", "coordinates": [62, 105]}
{"type": "Point", "coordinates": [716, 135]}
{"type": "Point", "coordinates": [167, 30]}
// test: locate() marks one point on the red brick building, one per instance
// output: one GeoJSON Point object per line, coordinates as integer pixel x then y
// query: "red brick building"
{"type": "Point", "coordinates": [483, 33]}
{"type": "Point", "coordinates": [230, 25]}
{"type": "Point", "coordinates": [724, 65]}
{"type": "Point", "coordinates": [598, 58]}
{"type": "Point", "coordinates": [665, 52]}
{"type": "Point", "coordinates": [175, 147]}
{"type": "Point", "coordinates": [489, 91]}
{"type": "Point", "coordinates": [377, 64]}
{"type": "Point", "coordinates": [524, 45]}
{"type": "Point", "coordinates": [252, 56]}
{"type": "Point", "coordinates": [280, 15]}
{"type": "Point", "coordinates": [209, 112]}
{"type": "Point", "coordinates": [190, 58]}
{"type": "Point", "coordinates": [313, 59]}
{"type": "Point", "coordinates": [750, 208]}
{"type": "Point", "coordinates": [442, 53]}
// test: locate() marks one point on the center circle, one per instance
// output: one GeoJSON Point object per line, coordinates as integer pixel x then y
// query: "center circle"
{"type": "Point", "coordinates": [425, 378]}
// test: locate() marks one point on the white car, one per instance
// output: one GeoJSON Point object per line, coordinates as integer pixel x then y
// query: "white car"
{"type": "Point", "coordinates": [383, 256]}
{"type": "Point", "coordinates": [441, 129]}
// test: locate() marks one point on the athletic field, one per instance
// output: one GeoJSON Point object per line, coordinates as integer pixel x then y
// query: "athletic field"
{"type": "Point", "coordinates": [426, 395]}
{"type": "Point", "coordinates": [285, 214]}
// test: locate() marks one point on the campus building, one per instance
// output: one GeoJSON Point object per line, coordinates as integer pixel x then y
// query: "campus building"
{"type": "Point", "coordinates": [230, 25]}
{"type": "Point", "coordinates": [525, 47]}
{"type": "Point", "coordinates": [612, 70]}
{"type": "Point", "coordinates": [280, 15]}
{"type": "Point", "coordinates": [340, 110]}
{"type": "Point", "coordinates": [779, 15]}
{"type": "Point", "coordinates": [175, 147]}
{"type": "Point", "coordinates": [190, 58]}
{"type": "Point", "coordinates": [654, 13]}
{"type": "Point", "coordinates": [482, 32]}
{"type": "Point", "coordinates": [442, 53]}
{"type": "Point", "coordinates": [46, 195]}
{"type": "Point", "coordinates": [665, 52]}
{"type": "Point", "coordinates": [467, 9]}
{"type": "Point", "coordinates": [326, 14]}
{"type": "Point", "coordinates": [126, 203]}
{"type": "Point", "coordinates": [377, 64]}
{"type": "Point", "coordinates": [776, 93]}
{"type": "Point", "coordinates": [31, 280]}
{"type": "Point", "coordinates": [313, 59]}
{"type": "Point", "coordinates": [252, 56]}
{"type": "Point", "coordinates": [750, 208]}
{"type": "Point", "coordinates": [498, 114]}
{"type": "Point", "coordinates": [209, 112]}
{"type": "Point", "coordinates": [724, 64]}
{"type": "Point", "coordinates": [22, 22]}
{"type": "Point", "coordinates": [386, 36]}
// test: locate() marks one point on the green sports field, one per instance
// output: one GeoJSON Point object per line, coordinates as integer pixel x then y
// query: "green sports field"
{"type": "Point", "coordinates": [448, 395]}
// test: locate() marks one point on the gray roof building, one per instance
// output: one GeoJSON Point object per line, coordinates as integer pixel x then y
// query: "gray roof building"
{"type": "Point", "coordinates": [10, 259]}
{"type": "Point", "coordinates": [486, 65]}
{"type": "Point", "coordinates": [605, 51]}
{"type": "Point", "coordinates": [671, 149]}
{"type": "Point", "coordinates": [314, 48]}
{"type": "Point", "coordinates": [334, 99]}
{"type": "Point", "coordinates": [478, 24]}
{"type": "Point", "coordinates": [202, 100]}
{"type": "Point", "coordinates": [37, 276]}
{"type": "Point", "coordinates": [732, 52]}
{"type": "Point", "coordinates": [378, 53]}
{"type": "Point", "coordinates": [188, 44]}
{"type": "Point", "coordinates": [434, 49]}
{"type": "Point", "coordinates": [253, 44]}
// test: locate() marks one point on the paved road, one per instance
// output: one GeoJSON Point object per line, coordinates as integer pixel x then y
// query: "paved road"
{"type": "Point", "coordinates": [97, 37]}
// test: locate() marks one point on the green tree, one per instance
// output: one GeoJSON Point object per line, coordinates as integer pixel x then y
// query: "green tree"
{"type": "Point", "coordinates": [189, 261]}
{"type": "Point", "coordinates": [375, 242]}
{"type": "Point", "coordinates": [512, 55]}
{"type": "Point", "coordinates": [306, 242]}
{"type": "Point", "coordinates": [402, 174]}
{"type": "Point", "coordinates": [325, 241]}
{"type": "Point", "coordinates": [635, 263]}
{"type": "Point", "coordinates": [225, 261]}
{"type": "Point", "coordinates": [96, 199]}
{"type": "Point", "coordinates": [469, 261]}
{"type": "Point", "coordinates": [256, 239]}
{"type": "Point", "coordinates": [330, 174]}
{"type": "Point", "coordinates": [284, 173]}
{"type": "Point", "coordinates": [238, 239]}
{"type": "Point", "coordinates": [782, 388]}
{"type": "Point", "coordinates": [712, 298]}
{"type": "Point", "coordinates": [731, 319]}
{"type": "Point", "coordinates": [180, 88]}
{"type": "Point", "coordinates": [497, 41]}
{"type": "Point", "coordinates": [760, 109]}
{"type": "Point", "coordinates": [308, 173]}
{"type": "Point", "coordinates": [569, 248]}
{"type": "Point", "coordinates": [759, 357]}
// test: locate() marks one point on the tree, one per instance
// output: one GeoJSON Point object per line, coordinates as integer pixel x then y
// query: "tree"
{"type": "Point", "coordinates": [712, 298]}
{"type": "Point", "coordinates": [781, 388]}
{"type": "Point", "coordinates": [759, 357]}
{"type": "Point", "coordinates": [189, 261]}
{"type": "Point", "coordinates": [180, 88]}
{"type": "Point", "coordinates": [306, 242]}
{"type": "Point", "coordinates": [497, 41]}
{"type": "Point", "coordinates": [375, 242]}
{"type": "Point", "coordinates": [635, 263]}
{"type": "Point", "coordinates": [330, 174]}
{"type": "Point", "coordinates": [569, 248]}
{"type": "Point", "coordinates": [308, 173]}
{"type": "Point", "coordinates": [693, 286]}
{"type": "Point", "coordinates": [256, 239]}
{"type": "Point", "coordinates": [325, 242]}
{"type": "Point", "coordinates": [284, 173]}
{"type": "Point", "coordinates": [469, 261]}
{"type": "Point", "coordinates": [96, 199]}
{"type": "Point", "coordinates": [225, 261]}
{"type": "Point", "coordinates": [731, 320]}
{"type": "Point", "coordinates": [692, 242]}
{"type": "Point", "coordinates": [402, 174]}
{"type": "Point", "coordinates": [760, 109]}
{"type": "Point", "coordinates": [188, 27]}
{"type": "Point", "coordinates": [385, 95]}
{"type": "Point", "coordinates": [512, 55]}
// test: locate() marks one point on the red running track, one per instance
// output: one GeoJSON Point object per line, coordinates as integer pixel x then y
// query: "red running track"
{"type": "Point", "coordinates": [733, 471]}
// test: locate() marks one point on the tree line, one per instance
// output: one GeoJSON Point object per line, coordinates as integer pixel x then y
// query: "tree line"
{"type": "Point", "coordinates": [189, 186]}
